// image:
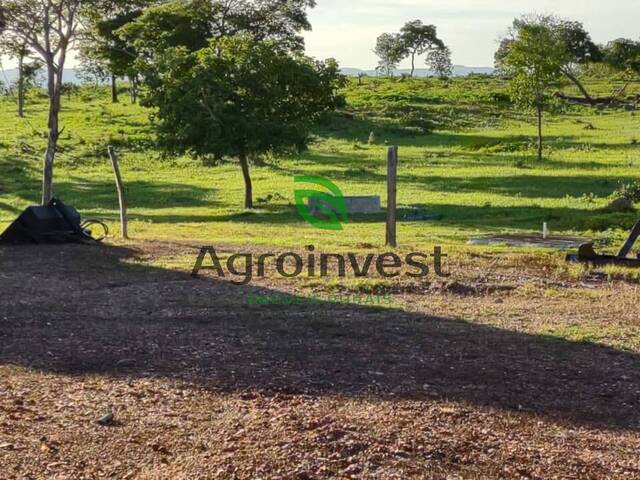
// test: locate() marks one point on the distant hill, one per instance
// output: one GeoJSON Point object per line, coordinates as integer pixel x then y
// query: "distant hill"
{"type": "Point", "coordinates": [71, 75]}
{"type": "Point", "coordinates": [11, 75]}
{"type": "Point", "coordinates": [458, 71]}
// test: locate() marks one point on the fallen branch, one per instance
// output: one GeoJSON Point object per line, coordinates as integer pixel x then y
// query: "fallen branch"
{"type": "Point", "coordinates": [603, 101]}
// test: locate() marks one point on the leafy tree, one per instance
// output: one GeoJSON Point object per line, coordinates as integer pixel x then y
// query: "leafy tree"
{"type": "Point", "coordinates": [582, 51]}
{"type": "Point", "coordinates": [419, 39]}
{"type": "Point", "coordinates": [193, 23]}
{"type": "Point", "coordinates": [240, 98]}
{"type": "Point", "coordinates": [165, 26]}
{"type": "Point", "coordinates": [439, 62]}
{"type": "Point", "coordinates": [103, 52]}
{"type": "Point", "coordinates": [623, 55]}
{"type": "Point", "coordinates": [91, 69]}
{"type": "Point", "coordinates": [391, 49]}
{"type": "Point", "coordinates": [48, 27]}
{"type": "Point", "coordinates": [534, 60]}
{"type": "Point", "coordinates": [69, 89]}
{"type": "Point", "coordinates": [27, 71]}
{"type": "Point", "coordinates": [276, 20]}
{"type": "Point", "coordinates": [578, 46]}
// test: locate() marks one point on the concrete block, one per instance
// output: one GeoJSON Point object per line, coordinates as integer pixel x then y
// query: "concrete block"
{"type": "Point", "coordinates": [361, 205]}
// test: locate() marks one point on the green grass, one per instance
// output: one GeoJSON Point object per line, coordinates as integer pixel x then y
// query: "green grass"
{"type": "Point", "coordinates": [465, 154]}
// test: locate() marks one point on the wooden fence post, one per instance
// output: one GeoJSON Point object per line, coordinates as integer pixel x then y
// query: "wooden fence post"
{"type": "Point", "coordinates": [392, 175]}
{"type": "Point", "coordinates": [121, 197]}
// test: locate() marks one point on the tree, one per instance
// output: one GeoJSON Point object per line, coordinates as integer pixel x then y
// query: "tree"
{"type": "Point", "coordinates": [106, 53]}
{"type": "Point", "coordinates": [533, 59]}
{"type": "Point", "coordinates": [439, 62]}
{"type": "Point", "coordinates": [27, 71]}
{"type": "Point", "coordinates": [193, 23]}
{"type": "Point", "coordinates": [276, 20]}
{"type": "Point", "coordinates": [27, 78]}
{"type": "Point", "coordinates": [419, 39]}
{"type": "Point", "coordinates": [578, 47]}
{"type": "Point", "coordinates": [91, 70]}
{"type": "Point", "coordinates": [69, 89]}
{"type": "Point", "coordinates": [101, 51]}
{"type": "Point", "coordinates": [623, 55]}
{"type": "Point", "coordinates": [582, 51]}
{"type": "Point", "coordinates": [391, 49]}
{"type": "Point", "coordinates": [180, 28]}
{"type": "Point", "coordinates": [17, 49]}
{"type": "Point", "coordinates": [240, 98]}
{"type": "Point", "coordinates": [48, 27]}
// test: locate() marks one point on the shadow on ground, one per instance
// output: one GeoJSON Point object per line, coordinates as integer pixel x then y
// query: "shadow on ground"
{"type": "Point", "coordinates": [485, 217]}
{"type": "Point", "coordinates": [81, 310]}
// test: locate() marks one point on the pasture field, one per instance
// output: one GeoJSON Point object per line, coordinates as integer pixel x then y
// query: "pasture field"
{"type": "Point", "coordinates": [516, 365]}
{"type": "Point", "coordinates": [465, 154]}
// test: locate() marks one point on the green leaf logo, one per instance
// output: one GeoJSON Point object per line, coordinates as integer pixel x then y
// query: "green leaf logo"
{"type": "Point", "coordinates": [329, 208]}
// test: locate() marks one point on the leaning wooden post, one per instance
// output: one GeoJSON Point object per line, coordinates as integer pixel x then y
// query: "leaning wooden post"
{"type": "Point", "coordinates": [392, 175]}
{"type": "Point", "coordinates": [121, 197]}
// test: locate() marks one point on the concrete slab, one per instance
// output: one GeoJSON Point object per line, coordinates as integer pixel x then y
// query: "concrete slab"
{"type": "Point", "coordinates": [361, 205]}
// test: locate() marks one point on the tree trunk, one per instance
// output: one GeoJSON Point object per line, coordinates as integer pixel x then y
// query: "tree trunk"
{"type": "Point", "coordinates": [114, 89]}
{"type": "Point", "coordinates": [413, 63]}
{"type": "Point", "coordinates": [21, 85]}
{"type": "Point", "coordinates": [54, 90]}
{"type": "Point", "coordinates": [578, 84]}
{"type": "Point", "coordinates": [122, 201]}
{"type": "Point", "coordinates": [133, 89]}
{"type": "Point", "coordinates": [539, 111]}
{"type": "Point", "coordinates": [248, 187]}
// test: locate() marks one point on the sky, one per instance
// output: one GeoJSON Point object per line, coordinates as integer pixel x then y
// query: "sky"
{"type": "Point", "coordinates": [347, 29]}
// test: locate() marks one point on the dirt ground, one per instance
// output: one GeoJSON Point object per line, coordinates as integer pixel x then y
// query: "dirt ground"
{"type": "Point", "coordinates": [111, 367]}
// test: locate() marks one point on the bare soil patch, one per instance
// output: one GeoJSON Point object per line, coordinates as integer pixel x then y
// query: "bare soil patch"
{"type": "Point", "coordinates": [461, 379]}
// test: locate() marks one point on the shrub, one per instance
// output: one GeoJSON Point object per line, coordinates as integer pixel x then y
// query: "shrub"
{"type": "Point", "coordinates": [630, 191]}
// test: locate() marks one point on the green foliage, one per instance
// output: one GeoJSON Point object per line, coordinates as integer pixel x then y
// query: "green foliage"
{"type": "Point", "coordinates": [239, 97]}
{"type": "Point", "coordinates": [439, 61]}
{"type": "Point", "coordinates": [229, 78]}
{"type": "Point", "coordinates": [573, 49]}
{"type": "Point", "coordinates": [168, 25]}
{"type": "Point", "coordinates": [415, 38]}
{"type": "Point", "coordinates": [629, 190]}
{"type": "Point", "coordinates": [579, 46]}
{"type": "Point", "coordinates": [192, 23]}
{"type": "Point", "coordinates": [391, 49]}
{"type": "Point", "coordinates": [624, 55]}
{"type": "Point", "coordinates": [570, 37]}
{"type": "Point", "coordinates": [103, 52]}
{"type": "Point", "coordinates": [419, 39]}
{"type": "Point", "coordinates": [533, 59]}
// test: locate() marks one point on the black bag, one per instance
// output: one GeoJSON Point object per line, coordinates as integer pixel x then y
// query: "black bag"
{"type": "Point", "coordinates": [55, 223]}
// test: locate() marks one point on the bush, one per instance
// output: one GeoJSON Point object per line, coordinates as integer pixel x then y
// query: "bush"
{"type": "Point", "coordinates": [630, 191]}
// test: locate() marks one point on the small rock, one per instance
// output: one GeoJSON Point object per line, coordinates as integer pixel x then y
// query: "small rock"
{"type": "Point", "coordinates": [106, 420]}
